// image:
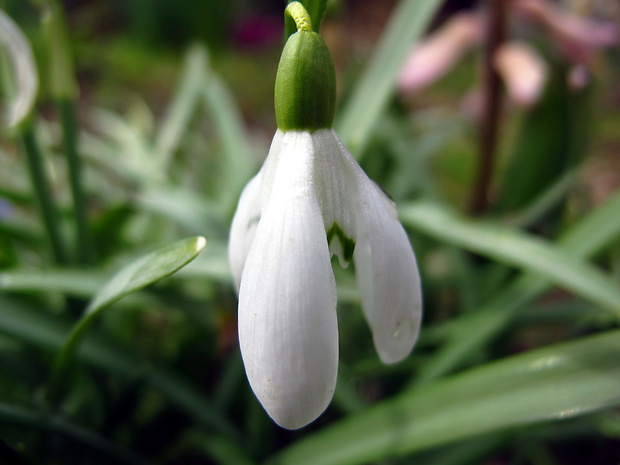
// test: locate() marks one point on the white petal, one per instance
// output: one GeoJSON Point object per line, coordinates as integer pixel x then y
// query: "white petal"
{"type": "Point", "coordinates": [248, 212]}
{"type": "Point", "coordinates": [287, 302]}
{"type": "Point", "coordinates": [332, 186]}
{"type": "Point", "coordinates": [244, 225]}
{"type": "Point", "coordinates": [386, 269]}
{"type": "Point", "coordinates": [26, 78]}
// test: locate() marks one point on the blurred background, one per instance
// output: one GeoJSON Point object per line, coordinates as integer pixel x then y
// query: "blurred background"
{"type": "Point", "coordinates": [495, 127]}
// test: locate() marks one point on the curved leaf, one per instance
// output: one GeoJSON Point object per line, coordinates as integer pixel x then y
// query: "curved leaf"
{"type": "Point", "coordinates": [555, 382]}
{"type": "Point", "coordinates": [586, 238]}
{"type": "Point", "coordinates": [357, 119]}
{"type": "Point", "coordinates": [515, 248]}
{"type": "Point", "coordinates": [138, 274]}
{"type": "Point", "coordinates": [42, 330]}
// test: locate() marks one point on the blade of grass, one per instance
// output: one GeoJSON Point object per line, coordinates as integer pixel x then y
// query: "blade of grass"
{"type": "Point", "coordinates": [593, 233]}
{"type": "Point", "coordinates": [20, 232]}
{"type": "Point", "coordinates": [183, 105]}
{"type": "Point", "coordinates": [545, 202]}
{"type": "Point", "coordinates": [237, 164]}
{"type": "Point", "coordinates": [43, 193]}
{"type": "Point", "coordinates": [32, 419]}
{"type": "Point", "coordinates": [138, 274]}
{"type": "Point", "coordinates": [76, 283]}
{"type": "Point", "coordinates": [557, 382]}
{"type": "Point", "coordinates": [515, 248]}
{"type": "Point", "coordinates": [39, 329]}
{"type": "Point", "coordinates": [220, 449]}
{"type": "Point", "coordinates": [211, 265]}
{"type": "Point", "coordinates": [195, 213]}
{"type": "Point", "coordinates": [74, 165]}
{"type": "Point", "coordinates": [358, 118]}
{"type": "Point", "coordinates": [63, 89]}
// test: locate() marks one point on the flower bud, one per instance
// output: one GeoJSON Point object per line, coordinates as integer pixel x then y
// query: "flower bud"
{"type": "Point", "coordinates": [305, 92]}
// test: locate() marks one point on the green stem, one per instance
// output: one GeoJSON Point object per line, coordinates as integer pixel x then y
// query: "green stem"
{"type": "Point", "coordinates": [74, 165]}
{"type": "Point", "coordinates": [66, 354]}
{"type": "Point", "coordinates": [43, 194]}
{"type": "Point", "coordinates": [301, 17]}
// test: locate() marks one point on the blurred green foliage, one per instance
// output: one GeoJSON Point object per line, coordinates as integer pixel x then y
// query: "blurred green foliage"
{"type": "Point", "coordinates": [518, 361]}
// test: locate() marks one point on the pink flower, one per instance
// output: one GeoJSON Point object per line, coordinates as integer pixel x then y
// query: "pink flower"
{"type": "Point", "coordinates": [523, 71]}
{"type": "Point", "coordinates": [578, 38]}
{"type": "Point", "coordinates": [433, 57]}
{"type": "Point", "coordinates": [521, 68]}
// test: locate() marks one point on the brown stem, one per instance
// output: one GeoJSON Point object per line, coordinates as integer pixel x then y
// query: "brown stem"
{"type": "Point", "coordinates": [489, 125]}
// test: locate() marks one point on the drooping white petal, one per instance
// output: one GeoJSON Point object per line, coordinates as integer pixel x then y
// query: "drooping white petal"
{"type": "Point", "coordinates": [244, 225]}
{"type": "Point", "coordinates": [332, 188]}
{"type": "Point", "coordinates": [25, 72]}
{"type": "Point", "coordinates": [386, 269]}
{"type": "Point", "coordinates": [248, 212]}
{"type": "Point", "coordinates": [287, 301]}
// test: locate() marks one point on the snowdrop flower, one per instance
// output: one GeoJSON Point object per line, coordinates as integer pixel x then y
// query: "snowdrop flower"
{"type": "Point", "coordinates": [25, 78]}
{"type": "Point", "coordinates": [309, 201]}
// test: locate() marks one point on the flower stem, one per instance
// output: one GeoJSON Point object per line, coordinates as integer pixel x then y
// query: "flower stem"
{"type": "Point", "coordinates": [299, 14]}
{"type": "Point", "coordinates": [489, 125]}
{"type": "Point", "coordinates": [68, 121]}
{"type": "Point", "coordinates": [43, 194]}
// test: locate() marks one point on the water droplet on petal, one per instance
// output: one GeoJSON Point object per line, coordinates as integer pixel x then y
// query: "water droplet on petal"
{"type": "Point", "coordinates": [403, 330]}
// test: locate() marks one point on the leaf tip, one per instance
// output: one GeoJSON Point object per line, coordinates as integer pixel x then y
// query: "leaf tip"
{"type": "Point", "coordinates": [201, 242]}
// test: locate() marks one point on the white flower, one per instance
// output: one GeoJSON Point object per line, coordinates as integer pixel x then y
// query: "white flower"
{"type": "Point", "coordinates": [25, 78]}
{"type": "Point", "coordinates": [309, 201]}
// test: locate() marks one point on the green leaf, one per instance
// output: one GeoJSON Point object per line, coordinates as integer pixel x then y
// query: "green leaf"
{"type": "Point", "coordinates": [147, 270]}
{"type": "Point", "coordinates": [515, 248]}
{"type": "Point", "coordinates": [552, 141]}
{"type": "Point", "coordinates": [77, 283]}
{"type": "Point", "coordinates": [220, 448]}
{"type": "Point", "coordinates": [237, 161]}
{"type": "Point", "coordinates": [62, 82]}
{"type": "Point", "coordinates": [586, 238]}
{"type": "Point", "coordinates": [553, 383]}
{"type": "Point", "coordinates": [183, 106]}
{"type": "Point", "coordinates": [211, 265]}
{"type": "Point", "coordinates": [183, 207]}
{"type": "Point", "coordinates": [359, 117]}
{"type": "Point", "coordinates": [138, 274]}
{"type": "Point", "coordinates": [21, 416]}
{"type": "Point", "coordinates": [39, 329]}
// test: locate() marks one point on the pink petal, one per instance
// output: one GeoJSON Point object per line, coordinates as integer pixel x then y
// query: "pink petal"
{"type": "Point", "coordinates": [431, 58]}
{"type": "Point", "coordinates": [523, 71]}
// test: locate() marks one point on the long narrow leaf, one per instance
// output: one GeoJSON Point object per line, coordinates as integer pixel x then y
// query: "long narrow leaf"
{"type": "Point", "coordinates": [515, 248]}
{"type": "Point", "coordinates": [138, 274]}
{"type": "Point", "coordinates": [183, 106]}
{"type": "Point", "coordinates": [77, 283]}
{"type": "Point", "coordinates": [557, 382]}
{"type": "Point", "coordinates": [39, 329]}
{"type": "Point", "coordinates": [237, 162]}
{"type": "Point", "coordinates": [586, 238]}
{"type": "Point", "coordinates": [371, 94]}
{"type": "Point", "coordinates": [21, 416]}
